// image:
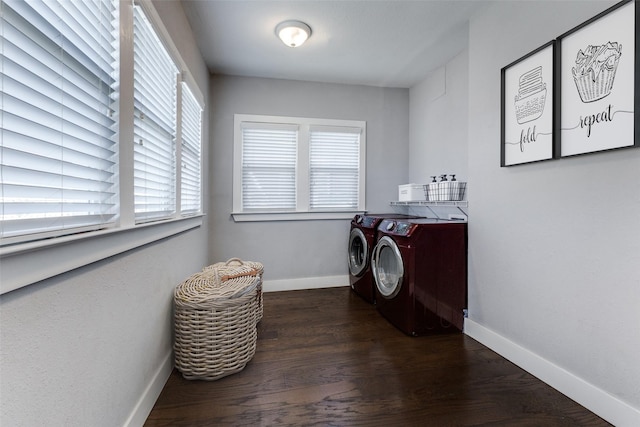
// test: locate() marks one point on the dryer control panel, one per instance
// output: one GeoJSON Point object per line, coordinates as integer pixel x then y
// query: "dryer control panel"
{"type": "Point", "coordinates": [403, 228]}
{"type": "Point", "coordinates": [407, 227]}
{"type": "Point", "coordinates": [397, 228]}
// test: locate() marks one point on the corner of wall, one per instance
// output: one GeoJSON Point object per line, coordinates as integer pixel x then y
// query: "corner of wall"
{"type": "Point", "coordinates": [143, 407]}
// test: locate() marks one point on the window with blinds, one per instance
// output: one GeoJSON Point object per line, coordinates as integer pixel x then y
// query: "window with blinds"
{"type": "Point", "coordinates": [90, 147]}
{"type": "Point", "coordinates": [191, 125]}
{"type": "Point", "coordinates": [61, 142]}
{"type": "Point", "coordinates": [334, 168]}
{"type": "Point", "coordinates": [155, 123]}
{"type": "Point", "coordinates": [59, 90]}
{"type": "Point", "coordinates": [302, 166]}
{"type": "Point", "coordinates": [269, 154]}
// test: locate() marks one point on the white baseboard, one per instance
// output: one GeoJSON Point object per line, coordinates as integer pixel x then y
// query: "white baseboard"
{"type": "Point", "coordinates": [593, 398]}
{"type": "Point", "coordinates": [145, 404]}
{"type": "Point", "coordinates": [305, 283]}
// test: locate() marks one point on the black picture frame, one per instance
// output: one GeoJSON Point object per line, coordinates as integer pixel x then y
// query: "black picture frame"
{"type": "Point", "coordinates": [527, 108]}
{"type": "Point", "coordinates": [597, 85]}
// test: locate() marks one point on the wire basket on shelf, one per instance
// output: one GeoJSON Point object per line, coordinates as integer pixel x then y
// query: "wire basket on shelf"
{"type": "Point", "coordinates": [445, 191]}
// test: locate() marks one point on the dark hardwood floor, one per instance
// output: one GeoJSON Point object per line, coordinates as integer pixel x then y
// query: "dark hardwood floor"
{"type": "Point", "coordinates": [327, 358]}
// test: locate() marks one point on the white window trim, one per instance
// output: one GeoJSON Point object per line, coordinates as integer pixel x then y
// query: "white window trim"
{"type": "Point", "coordinates": [62, 254]}
{"type": "Point", "coordinates": [28, 263]}
{"type": "Point", "coordinates": [302, 212]}
{"type": "Point", "coordinates": [293, 216]}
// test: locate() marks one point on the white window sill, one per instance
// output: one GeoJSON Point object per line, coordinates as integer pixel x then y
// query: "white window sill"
{"type": "Point", "coordinates": [291, 216]}
{"type": "Point", "coordinates": [25, 264]}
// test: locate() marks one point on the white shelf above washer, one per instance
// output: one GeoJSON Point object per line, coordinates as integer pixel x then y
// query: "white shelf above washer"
{"type": "Point", "coordinates": [434, 207]}
{"type": "Point", "coordinates": [459, 203]}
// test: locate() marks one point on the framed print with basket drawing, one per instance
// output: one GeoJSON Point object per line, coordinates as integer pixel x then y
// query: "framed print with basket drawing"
{"type": "Point", "coordinates": [598, 81]}
{"type": "Point", "coordinates": [527, 108]}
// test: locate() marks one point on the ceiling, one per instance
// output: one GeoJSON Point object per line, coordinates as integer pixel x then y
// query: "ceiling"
{"type": "Point", "coordinates": [386, 43]}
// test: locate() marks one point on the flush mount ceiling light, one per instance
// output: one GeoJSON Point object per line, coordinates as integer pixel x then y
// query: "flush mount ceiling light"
{"type": "Point", "coordinates": [293, 33]}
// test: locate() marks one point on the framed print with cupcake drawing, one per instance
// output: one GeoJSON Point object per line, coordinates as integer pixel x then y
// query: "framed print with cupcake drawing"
{"type": "Point", "coordinates": [598, 82]}
{"type": "Point", "coordinates": [527, 108]}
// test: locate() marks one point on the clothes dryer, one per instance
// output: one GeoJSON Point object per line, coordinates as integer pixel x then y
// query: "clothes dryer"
{"type": "Point", "coordinates": [362, 238]}
{"type": "Point", "coordinates": [419, 268]}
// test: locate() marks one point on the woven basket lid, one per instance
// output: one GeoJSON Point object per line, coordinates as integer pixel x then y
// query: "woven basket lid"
{"type": "Point", "coordinates": [210, 284]}
{"type": "Point", "coordinates": [234, 266]}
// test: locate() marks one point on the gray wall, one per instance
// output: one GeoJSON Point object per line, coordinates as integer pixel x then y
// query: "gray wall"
{"type": "Point", "coordinates": [439, 117]}
{"type": "Point", "coordinates": [554, 246]}
{"type": "Point", "coordinates": [92, 346]}
{"type": "Point", "coordinates": [438, 142]}
{"type": "Point", "coordinates": [302, 249]}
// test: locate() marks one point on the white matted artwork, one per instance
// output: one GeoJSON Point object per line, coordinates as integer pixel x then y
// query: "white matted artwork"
{"type": "Point", "coordinates": [597, 83]}
{"type": "Point", "coordinates": [527, 108]}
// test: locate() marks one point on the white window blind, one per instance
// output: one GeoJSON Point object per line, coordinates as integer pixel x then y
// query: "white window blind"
{"type": "Point", "coordinates": [155, 106]}
{"type": "Point", "coordinates": [269, 154]}
{"type": "Point", "coordinates": [58, 150]}
{"type": "Point", "coordinates": [334, 168]}
{"type": "Point", "coordinates": [191, 190]}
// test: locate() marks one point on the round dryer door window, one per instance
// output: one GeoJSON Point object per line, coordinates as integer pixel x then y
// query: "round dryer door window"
{"type": "Point", "coordinates": [358, 252]}
{"type": "Point", "coordinates": [387, 266]}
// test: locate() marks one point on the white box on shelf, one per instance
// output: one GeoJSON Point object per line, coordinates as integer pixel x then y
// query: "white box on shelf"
{"type": "Point", "coordinates": [410, 192]}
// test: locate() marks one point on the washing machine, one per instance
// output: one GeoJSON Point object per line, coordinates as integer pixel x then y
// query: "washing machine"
{"type": "Point", "coordinates": [419, 268]}
{"type": "Point", "coordinates": [362, 238]}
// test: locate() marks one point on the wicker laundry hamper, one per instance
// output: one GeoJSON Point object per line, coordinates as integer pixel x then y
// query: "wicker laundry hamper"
{"type": "Point", "coordinates": [235, 266]}
{"type": "Point", "coordinates": [215, 324]}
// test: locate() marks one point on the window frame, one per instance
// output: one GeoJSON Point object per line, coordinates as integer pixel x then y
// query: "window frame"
{"type": "Point", "coordinates": [156, 132]}
{"type": "Point", "coordinates": [58, 255]}
{"type": "Point", "coordinates": [69, 131]}
{"type": "Point", "coordinates": [303, 210]}
{"type": "Point", "coordinates": [191, 157]}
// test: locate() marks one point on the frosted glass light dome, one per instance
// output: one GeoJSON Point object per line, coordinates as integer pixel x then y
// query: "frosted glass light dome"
{"type": "Point", "coordinates": [293, 33]}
